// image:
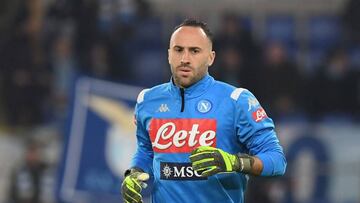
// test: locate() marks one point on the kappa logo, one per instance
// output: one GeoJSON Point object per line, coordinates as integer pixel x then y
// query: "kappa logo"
{"type": "Point", "coordinates": [253, 103]}
{"type": "Point", "coordinates": [163, 108]}
{"type": "Point", "coordinates": [178, 171]}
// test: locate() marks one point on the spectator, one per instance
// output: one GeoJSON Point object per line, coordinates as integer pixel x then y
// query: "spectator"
{"type": "Point", "coordinates": [26, 82]}
{"type": "Point", "coordinates": [27, 179]}
{"type": "Point", "coordinates": [279, 81]}
{"type": "Point", "coordinates": [231, 67]}
{"type": "Point", "coordinates": [333, 91]}
{"type": "Point", "coordinates": [234, 34]}
{"type": "Point", "coordinates": [85, 16]}
{"type": "Point", "coordinates": [237, 52]}
{"type": "Point", "coordinates": [351, 18]}
{"type": "Point", "coordinates": [99, 61]}
{"type": "Point", "coordinates": [64, 67]}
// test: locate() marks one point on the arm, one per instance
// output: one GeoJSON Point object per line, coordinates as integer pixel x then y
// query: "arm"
{"type": "Point", "coordinates": [144, 154]}
{"type": "Point", "coordinates": [256, 131]}
{"type": "Point", "coordinates": [256, 167]}
{"type": "Point", "coordinates": [141, 166]}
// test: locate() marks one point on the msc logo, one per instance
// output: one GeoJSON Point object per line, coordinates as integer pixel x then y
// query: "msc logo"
{"type": "Point", "coordinates": [178, 171]}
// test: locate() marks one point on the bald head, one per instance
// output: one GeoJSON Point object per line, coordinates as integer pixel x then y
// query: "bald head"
{"type": "Point", "coordinates": [190, 54]}
{"type": "Point", "coordinates": [196, 24]}
{"type": "Point", "coordinates": [196, 35]}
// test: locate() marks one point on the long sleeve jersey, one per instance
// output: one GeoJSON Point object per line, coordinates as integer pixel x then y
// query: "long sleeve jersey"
{"type": "Point", "coordinates": [171, 122]}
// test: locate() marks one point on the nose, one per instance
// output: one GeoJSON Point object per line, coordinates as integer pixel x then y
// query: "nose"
{"type": "Point", "coordinates": [185, 58]}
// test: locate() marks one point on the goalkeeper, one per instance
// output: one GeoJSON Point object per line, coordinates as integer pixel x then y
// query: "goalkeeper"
{"type": "Point", "coordinates": [198, 138]}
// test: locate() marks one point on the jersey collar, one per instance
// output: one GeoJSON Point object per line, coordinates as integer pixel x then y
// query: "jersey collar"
{"type": "Point", "coordinates": [194, 90]}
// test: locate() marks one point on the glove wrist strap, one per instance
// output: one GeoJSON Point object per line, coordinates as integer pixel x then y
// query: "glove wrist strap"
{"type": "Point", "coordinates": [246, 162]}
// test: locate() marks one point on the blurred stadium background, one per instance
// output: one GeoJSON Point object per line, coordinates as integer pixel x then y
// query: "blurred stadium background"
{"type": "Point", "coordinates": [70, 71]}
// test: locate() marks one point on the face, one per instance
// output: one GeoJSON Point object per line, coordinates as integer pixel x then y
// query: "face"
{"type": "Point", "coordinates": [190, 55]}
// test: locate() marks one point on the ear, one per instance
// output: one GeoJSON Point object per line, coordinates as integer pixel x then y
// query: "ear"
{"type": "Point", "coordinates": [211, 58]}
{"type": "Point", "coordinates": [169, 56]}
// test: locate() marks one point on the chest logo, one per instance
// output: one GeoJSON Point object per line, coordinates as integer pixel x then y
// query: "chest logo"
{"type": "Point", "coordinates": [181, 135]}
{"type": "Point", "coordinates": [163, 108]}
{"type": "Point", "coordinates": [204, 106]}
{"type": "Point", "coordinates": [178, 171]}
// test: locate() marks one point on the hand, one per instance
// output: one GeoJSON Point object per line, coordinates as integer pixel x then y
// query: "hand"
{"type": "Point", "coordinates": [132, 186]}
{"type": "Point", "coordinates": [209, 161]}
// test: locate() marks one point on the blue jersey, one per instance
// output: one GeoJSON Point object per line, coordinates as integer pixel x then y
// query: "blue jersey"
{"type": "Point", "coordinates": [171, 122]}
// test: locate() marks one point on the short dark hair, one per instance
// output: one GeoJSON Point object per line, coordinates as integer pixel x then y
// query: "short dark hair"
{"type": "Point", "coordinates": [195, 23]}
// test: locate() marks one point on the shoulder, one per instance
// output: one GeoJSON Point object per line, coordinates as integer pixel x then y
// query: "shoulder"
{"type": "Point", "coordinates": [151, 93]}
{"type": "Point", "coordinates": [235, 93]}
{"type": "Point", "coordinates": [223, 88]}
{"type": "Point", "coordinates": [242, 98]}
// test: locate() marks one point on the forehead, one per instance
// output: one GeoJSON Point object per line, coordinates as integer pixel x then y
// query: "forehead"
{"type": "Point", "coordinates": [187, 36]}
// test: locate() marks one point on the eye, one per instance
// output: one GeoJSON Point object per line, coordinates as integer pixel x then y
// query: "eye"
{"type": "Point", "coordinates": [195, 51]}
{"type": "Point", "coordinates": [178, 49]}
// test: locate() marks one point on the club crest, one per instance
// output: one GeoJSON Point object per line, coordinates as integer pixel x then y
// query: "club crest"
{"type": "Point", "coordinates": [204, 106]}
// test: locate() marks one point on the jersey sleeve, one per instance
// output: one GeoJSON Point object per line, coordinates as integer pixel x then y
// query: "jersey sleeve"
{"type": "Point", "coordinates": [144, 154]}
{"type": "Point", "coordinates": [256, 131]}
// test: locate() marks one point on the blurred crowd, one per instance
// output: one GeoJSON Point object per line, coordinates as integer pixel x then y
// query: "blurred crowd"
{"type": "Point", "coordinates": [44, 45]}
{"type": "Point", "coordinates": [280, 77]}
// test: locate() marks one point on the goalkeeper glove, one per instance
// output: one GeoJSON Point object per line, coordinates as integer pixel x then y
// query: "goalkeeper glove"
{"type": "Point", "coordinates": [209, 161]}
{"type": "Point", "coordinates": [132, 185]}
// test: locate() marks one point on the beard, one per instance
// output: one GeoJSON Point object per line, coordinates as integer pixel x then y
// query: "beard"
{"type": "Point", "coordinates": [185, 80]}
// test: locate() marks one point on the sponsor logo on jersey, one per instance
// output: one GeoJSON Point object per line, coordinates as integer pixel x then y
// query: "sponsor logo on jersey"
{"type": "Point", "coordinates": [178, 171]}
{"type": "Point", "coordinates": [204, 106]}
{"type": "Point", "coordinates": [182, 135]}
{"type": "Point", "coordinates": [253, 103]}
{"type": "Point", "coordinates": [259, 115]}
{"type": "Point", "coordinates": [163, 108]}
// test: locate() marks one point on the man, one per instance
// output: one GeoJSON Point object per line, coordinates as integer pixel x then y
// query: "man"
{"type": "Point", "coordinates": [198, 137]}
{"type": "Point", "coordinates": [28, 180]}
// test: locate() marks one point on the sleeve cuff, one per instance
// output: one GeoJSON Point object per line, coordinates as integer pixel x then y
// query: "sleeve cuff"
{"type": "Point", "coordinates": [268, 164]}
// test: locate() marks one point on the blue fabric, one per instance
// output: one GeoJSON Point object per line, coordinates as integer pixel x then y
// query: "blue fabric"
{"type": "Point", "coordinates": [215, 114]}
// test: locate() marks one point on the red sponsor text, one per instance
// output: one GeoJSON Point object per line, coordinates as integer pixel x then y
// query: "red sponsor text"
{"type": "Point", "coordinates": [259, 115]}
{"type": "Point", "coordinates": [182, 135]}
